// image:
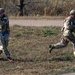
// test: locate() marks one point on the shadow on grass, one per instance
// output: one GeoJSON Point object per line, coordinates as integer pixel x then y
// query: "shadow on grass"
{"type": "Point", "coordinates": [71, 59]}
{"type": "Point", "coordinates": [57, 59]}
{"type": "Point", "coordinates": [3, 59]}
{"type": "Point", "coordinates": [23, 60]}
{"type": "Point", "coordinates": [17, 60]}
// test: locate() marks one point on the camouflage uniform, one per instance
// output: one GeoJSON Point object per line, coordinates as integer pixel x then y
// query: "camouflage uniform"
{"type": "Point", "coordinates": [4, 33]}
{"type": "Point", "coordinates": [68, 34]}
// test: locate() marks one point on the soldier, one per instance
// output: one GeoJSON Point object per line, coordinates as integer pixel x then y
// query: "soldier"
{"type": "Point", "coordinates": [68, 30]}
{"type": "Point", "coordinates": [4, 33]}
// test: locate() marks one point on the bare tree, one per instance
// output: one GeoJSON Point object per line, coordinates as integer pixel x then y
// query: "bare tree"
{"type": "Point", "coordinates": [21, 6]}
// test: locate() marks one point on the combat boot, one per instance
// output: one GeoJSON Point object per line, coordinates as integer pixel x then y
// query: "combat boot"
{"type": "Point", "coordinates": [51, 48]}
{"type": "Point", "coordinates": [10, 59]}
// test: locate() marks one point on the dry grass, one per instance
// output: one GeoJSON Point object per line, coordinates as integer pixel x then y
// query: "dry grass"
{"type": "Point", "coordinates": [36, 17]}
{"type": "Point", "coordinates": [29, 48]}
{"type": "Point", "coordinates": [37, 8]}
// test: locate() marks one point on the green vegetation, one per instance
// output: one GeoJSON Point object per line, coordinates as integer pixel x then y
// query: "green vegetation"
{"type": "Point", "coordinates": [29, 48]}
{"type": "Point", "coordinates": [50, 31]}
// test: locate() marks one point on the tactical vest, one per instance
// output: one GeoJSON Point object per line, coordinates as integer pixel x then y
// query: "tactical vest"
{"type": "Point", "coordinates": [5, 28]}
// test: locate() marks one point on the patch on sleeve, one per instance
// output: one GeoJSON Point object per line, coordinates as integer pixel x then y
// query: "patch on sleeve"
{"type": "Point", "coordinates": [5, 17]}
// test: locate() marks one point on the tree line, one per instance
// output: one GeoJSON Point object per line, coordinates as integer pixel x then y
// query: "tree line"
{"type": "Point", "coordinates": [37, 7]}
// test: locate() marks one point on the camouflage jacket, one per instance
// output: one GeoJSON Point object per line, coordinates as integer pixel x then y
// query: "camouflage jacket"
{"type": "Point", "coordinates": [69, 24]}
{"type": "Point", "coordinates": [4, 23]}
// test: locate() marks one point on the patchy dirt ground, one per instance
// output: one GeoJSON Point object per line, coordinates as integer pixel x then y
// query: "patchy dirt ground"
{"type": "Point", "coordinates": [29, 48]}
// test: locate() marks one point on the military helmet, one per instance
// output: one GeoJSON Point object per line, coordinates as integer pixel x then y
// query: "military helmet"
{"type": "Point", "coordinates": [72, 12]}
{"type": "Point", "coordinates": [1, 10]}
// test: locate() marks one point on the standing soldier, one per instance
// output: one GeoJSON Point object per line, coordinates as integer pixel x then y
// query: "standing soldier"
{"type": "Point", "coordinates": [4, 33]}
{"type": "Point", "coordinates": [68, 33]}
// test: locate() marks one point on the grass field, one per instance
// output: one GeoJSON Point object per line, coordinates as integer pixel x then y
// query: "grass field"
{"type": "Point", "coordinates": [29, 48]}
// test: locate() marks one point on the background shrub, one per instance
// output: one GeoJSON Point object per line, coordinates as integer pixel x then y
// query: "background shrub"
{"type": "Point", "coordinates": [38, 7]}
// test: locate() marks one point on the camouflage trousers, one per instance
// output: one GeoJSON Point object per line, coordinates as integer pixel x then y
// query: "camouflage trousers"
{"type": "Point", "coordinates": [65, 40]}
{"type": "Point", "coordinates": [4, 40]}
